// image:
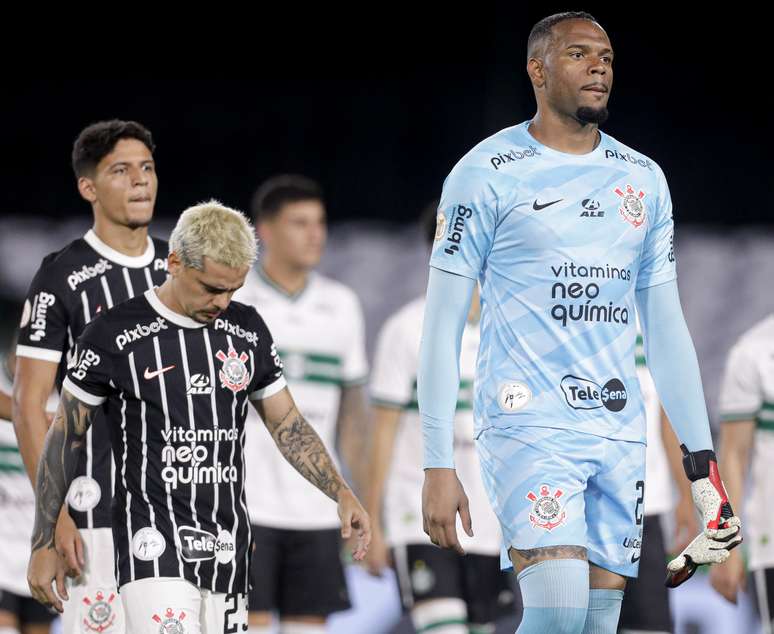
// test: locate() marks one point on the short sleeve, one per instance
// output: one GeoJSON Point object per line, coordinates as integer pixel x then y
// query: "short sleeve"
{"type": "Point", "coordinates": [395, 368]}
{"type": "Point", "coordinates": [355, 367]}
{"type": "Point", "coordinates": [268, 378]}
{"type": "Point", "coordinates": [465, 225]}
{"type": "Point", "coordinates": [44, 322]}
{"type": "Point", "coordinates": [657, 264]}
{"type": "Point", "coordinates": [740, 392]}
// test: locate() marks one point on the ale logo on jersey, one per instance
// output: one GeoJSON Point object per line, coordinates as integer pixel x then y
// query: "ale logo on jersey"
{"type": "Point", "coordinates": [98, 612]}
{"type": "Point", "coordinates": [234, 374]}
{"type": "Point", "coordinates": [170, 623]}
{"type": "Point", "coordinates": [199, 384]}
{"type": "Point", "coordinates": [586, 394]}
{"type": "Point", "coordinates": [199, 545]}
{"type": "Point", "coordinates": [547, 512]}
{"type": "Point", "coordinates": [632, 208]}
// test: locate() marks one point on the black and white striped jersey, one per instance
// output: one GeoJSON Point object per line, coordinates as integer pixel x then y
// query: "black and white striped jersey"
{"type": "Point", "coordinates": [176, 393]}
{"type": "Point", "coordinates": [71, 287]}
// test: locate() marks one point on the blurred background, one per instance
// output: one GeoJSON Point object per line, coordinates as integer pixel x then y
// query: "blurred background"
{"type": "Point", "coordinates": [381, 131]}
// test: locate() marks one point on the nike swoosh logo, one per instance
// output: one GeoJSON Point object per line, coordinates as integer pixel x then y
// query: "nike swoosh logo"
{"type": "Point", "coordinates": [537, 206]}
{"type": "Point", "coordinates": [152, 375]}
{"type": "Point", "coordinates": [635, 558]}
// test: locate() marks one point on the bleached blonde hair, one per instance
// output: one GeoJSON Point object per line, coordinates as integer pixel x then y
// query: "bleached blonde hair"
{"type": "Point", "coordinates": [218, 232]}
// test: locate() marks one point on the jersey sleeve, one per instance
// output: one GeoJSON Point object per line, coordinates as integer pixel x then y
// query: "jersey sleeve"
{"type": "Point", "coordinates": [466, 223]}
{"type": "Point", "coordinates": [44, 322]}
{"type": "Point", "coordinates": [395, 368]}
{"type": "Point", "coordinates": [90, 370]}
{"type": "Point", "coordinates": [355, 366]}
{"type": "Point", "coordinates": [657, 264]}
{"type": "Point", "coordinates": [740, 392]}
{"type": "Point", "coordinates": [268, 378]}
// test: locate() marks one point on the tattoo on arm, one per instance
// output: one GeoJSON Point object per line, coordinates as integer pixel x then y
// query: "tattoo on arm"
{"type": "Point", "coordinates": [64, 441]}
{"type": "Point", "coordinates": [302, 448]}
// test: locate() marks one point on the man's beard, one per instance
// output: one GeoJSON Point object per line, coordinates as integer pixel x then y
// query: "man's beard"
{"type": "Point", "coordinates": [138, 224]}
{"type": "Point", "coordinates": [585, 114]}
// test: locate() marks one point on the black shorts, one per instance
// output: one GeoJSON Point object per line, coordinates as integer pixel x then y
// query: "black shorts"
{"type": "Point", "coordinates": [26, 609]}
{"type": "Point", "coordinates": [297, 572]}
{"type": "Point", "coordinates": [762, 584]}
{"type": "Point", "coordinates": [646, 601]}
{"type": "Point", "coordinates": [428, 572]}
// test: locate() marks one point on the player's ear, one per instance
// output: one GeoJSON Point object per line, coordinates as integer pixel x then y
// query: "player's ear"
{"type": "Point", "coordinates": [86, 189]}
{"type": "Point", "coordinates": [536, 72]}
{"type": "Point", "coordinates": [174, 264]}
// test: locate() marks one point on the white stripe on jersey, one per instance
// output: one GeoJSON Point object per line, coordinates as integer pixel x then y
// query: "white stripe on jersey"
{"type": "Point", "coordinates": [149, 279]}
{"type": "Point", "coordinates": [192, 426]}
{"type": "Point", "coordinates": [213, 405]}
{"type": "Point", "coordinates": [86, 311]}
{"type": "Point", "coordinates": [233, 449]}
{"type": "Point", "coordinates": [242, 500]}
{"type": "Point", "coordinates": [404, 579]}
{"type": "Point", "coordinates": [165, 409]}
{"type": "Point", "coordinates": [89, 464]}
{"type": "Point", "coordinates": [128, 492]}
{"type": "Point", "coordinates": [128, 281]}
{"type": "Point", "coordinates": [106, 288]}
{"type": "Point", "coordinates": [144, 467]}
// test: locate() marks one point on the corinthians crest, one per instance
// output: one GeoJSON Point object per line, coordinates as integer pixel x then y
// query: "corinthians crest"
{"type": "Point", "coordinates": [632, 209]}
{"type": "Point", "coordinates": [547, 512]}
{"type": "Point", "coordinates": [99, 615]}
{"type": "Point", "coordinates": [234, 374]}
{"type": "Point", "coordinates": [169, 623]}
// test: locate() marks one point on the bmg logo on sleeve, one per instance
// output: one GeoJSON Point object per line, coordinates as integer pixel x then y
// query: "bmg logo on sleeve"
{"type": "Point", "coordinates": [86, 360]}
{"type": "Point", "coordinates": [457, 228]}
{"type": "Point", "coordinates": [586, 394]}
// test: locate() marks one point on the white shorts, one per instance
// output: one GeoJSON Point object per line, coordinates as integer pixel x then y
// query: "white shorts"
{"type": "Point", "coordinates": [170, 605]}
{"type": "Point", "coordinates": [94, 604]}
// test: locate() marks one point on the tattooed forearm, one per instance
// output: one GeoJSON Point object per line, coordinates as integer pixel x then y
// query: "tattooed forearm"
{"type": "Point", "coordinates": [302, 448]}
{"type": "Point", "coordinates": [57, 465]}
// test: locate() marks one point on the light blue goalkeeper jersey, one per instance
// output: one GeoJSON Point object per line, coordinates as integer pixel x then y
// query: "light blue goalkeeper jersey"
{"type": "Point", "coordinates": [559, 243]}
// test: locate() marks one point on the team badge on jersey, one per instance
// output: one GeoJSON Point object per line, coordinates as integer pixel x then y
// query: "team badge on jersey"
{"type": "Point", "coordinates": [234, 374]}
{"type": "Point", "coordinates": [632, 208]}
{"type": "Point", "coordinates": [99, 615]}
{"type": "Point", "coordinates": [169, 623]}
{"type": "Point", "coordinates": [547, 513]}
{"type": "Point", "coordinates": [440, 226]}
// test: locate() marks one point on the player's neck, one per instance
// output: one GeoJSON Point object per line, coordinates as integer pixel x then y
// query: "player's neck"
{"type": "Point", "coordinates": [290, 279]}
{"type": "Point", "coordinates": [167, 295]}
{"type": "Point", "coordinates": [131, 242]}
{"type": "Point", "coordinates": [564, 133]}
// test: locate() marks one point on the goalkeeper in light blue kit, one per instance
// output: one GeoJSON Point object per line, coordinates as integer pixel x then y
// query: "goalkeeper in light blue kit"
{"type": "Point", "coordinates": [568, 231]}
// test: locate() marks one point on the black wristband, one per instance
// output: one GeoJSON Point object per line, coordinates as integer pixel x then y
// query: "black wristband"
{"type": "Point", "coordinates": [697, 463]}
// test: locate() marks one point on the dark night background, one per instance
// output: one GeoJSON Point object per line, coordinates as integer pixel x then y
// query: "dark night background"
{"type": "Point", "coordinates": [380, 126]}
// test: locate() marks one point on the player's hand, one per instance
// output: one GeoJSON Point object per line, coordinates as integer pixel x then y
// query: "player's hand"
{"type": "Point", "coordinates": [353, 515]}
{"type": "Point", "coordinates": [442, 498]}
{"type": "Point", "coordinates": [69, 544]}
{"type": "Point", "coordinates": [686, 524]}
{"type": "Point", "coordinates": [44, 568]}
{"type": "Point", "coordinates": [721, 529]}
{"type": "Point", "coordinates": [378, 557]}
{"type": "Point", "coordinates": [729, 578]}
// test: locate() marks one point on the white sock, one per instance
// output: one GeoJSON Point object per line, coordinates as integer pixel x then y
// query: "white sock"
{"type": "Point", "coordinates": [440, 616]}
{"type": "Point", "coordinates": [302, 628]}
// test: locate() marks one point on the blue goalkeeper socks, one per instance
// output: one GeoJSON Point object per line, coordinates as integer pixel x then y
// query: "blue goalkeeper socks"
{"type": "Point", "coordinates": [604, 610]}
{"type": "Point", "coordinates": [555, 594]}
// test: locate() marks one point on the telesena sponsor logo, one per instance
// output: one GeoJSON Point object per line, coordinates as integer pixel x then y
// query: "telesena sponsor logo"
{"type": "Point", "coordinates": [88, 272]}
{"type": "Point", "coordinates": [514, 155]}
{"type": "Point", "coordinates": [235, 329]}
{"type": "Point", "coordinates": [199, 545]}
{"type": "Point", "coordinates": [457, 228]}
{"type": "Point", "coordinates": [628, 158]}
{"type": "Point", "coordinates": [586, 394]}
{"type": "Point", "coordinates": [140, 331]}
